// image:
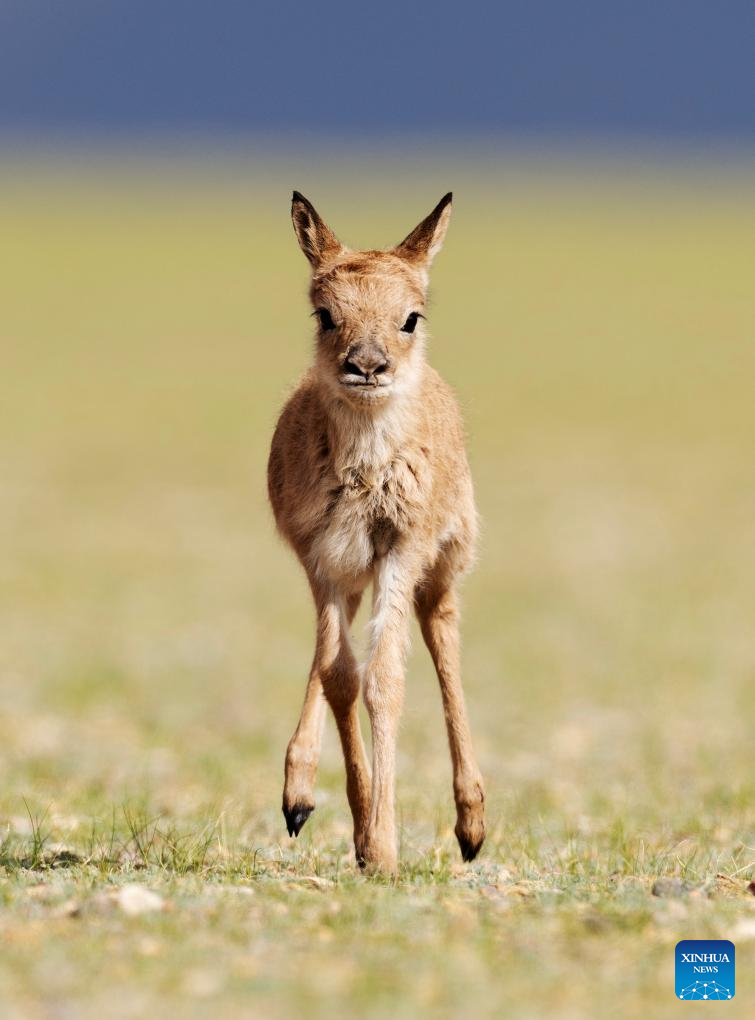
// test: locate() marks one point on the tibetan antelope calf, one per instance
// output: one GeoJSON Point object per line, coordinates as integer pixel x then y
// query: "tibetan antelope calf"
{"type": "Point", "coordinates": [369, 481]}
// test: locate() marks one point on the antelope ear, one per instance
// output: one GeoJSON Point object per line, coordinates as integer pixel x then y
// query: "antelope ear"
{"type": "Point", "coordinates": [425, 241]}
{"type": "Point", "coordinates": [316, 239]}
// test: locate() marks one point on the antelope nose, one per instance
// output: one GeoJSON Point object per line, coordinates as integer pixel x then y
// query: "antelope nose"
{"type": "Point", "coordinates": [367, 363]}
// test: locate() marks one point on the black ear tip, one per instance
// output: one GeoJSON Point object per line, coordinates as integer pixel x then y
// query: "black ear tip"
{"type": "Point", "coordinates": [447, 199]}
{"type": "Point", "coordinates": [298, 197]}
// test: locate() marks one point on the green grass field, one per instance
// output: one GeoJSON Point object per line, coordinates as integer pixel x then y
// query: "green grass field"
{"type": "Point", "coordinates": [155, 635]}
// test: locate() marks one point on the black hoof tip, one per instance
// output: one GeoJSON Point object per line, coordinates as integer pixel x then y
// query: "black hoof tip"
{"type": "Point", "coordinates": [296, 817]}
{"type": "Point", "coordinates": [469, 850]}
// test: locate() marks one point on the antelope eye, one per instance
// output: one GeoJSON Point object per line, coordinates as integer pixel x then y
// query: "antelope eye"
{"type": "Point", "coordinates": [326, 320]}
{"type": "Point", "coordinates": [410, 323]}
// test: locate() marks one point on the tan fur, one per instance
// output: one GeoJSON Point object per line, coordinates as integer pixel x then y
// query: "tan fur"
{"type": "Point", "coordinates": [369, 482]}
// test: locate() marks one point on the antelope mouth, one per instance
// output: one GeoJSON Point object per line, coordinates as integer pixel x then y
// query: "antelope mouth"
{"type": "Point", "coordinates": [366, 389]}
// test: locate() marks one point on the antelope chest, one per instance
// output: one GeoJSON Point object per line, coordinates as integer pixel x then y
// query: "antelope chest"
{"type": "Point", "coordinates": [365, 513]}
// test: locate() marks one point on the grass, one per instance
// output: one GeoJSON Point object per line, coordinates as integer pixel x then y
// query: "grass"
{"type": "Point", "coordinates": [155, 636]}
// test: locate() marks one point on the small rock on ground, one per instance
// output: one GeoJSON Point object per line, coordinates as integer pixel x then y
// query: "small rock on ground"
{"type": "Point", "coordinates": [137, 899]}
{"type": "Point", "coordinates": [672, 887]}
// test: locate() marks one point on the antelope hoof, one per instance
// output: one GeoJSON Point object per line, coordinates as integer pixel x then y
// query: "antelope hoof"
{"type": "Point", "coordinates": [469, 845]}
{"type": "Point", "coordinates": [377, 856]}
{"type": "Point", "coordinates": [470, 829]}
{"type": "Point", "coordinates": [470, 819]}
{"type": "Point", "coordinates": [296, 817]}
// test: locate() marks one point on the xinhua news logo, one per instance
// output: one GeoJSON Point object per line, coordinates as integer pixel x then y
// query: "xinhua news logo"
{"type": "Point", "coordinates": [705, 969]}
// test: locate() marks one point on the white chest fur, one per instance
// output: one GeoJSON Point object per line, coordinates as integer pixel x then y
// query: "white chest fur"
{"type": "Point", "coordinates": [375, 495]}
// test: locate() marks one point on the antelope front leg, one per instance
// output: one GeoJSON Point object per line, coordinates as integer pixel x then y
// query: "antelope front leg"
{"type": "Point", "coordinates": [340, 681]}
{"type": "Point", "coordinates": [302, 756]}
{"type": "Point", "coordinates": [439, 619]}
{"type": "Point", "coordinates": [303, 752]}
{"type": "Point", "coordinates": [383, 696]}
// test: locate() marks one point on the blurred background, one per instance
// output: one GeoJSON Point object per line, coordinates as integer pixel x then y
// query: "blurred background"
{"type": "Point", "coordinates": [593, 308]}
